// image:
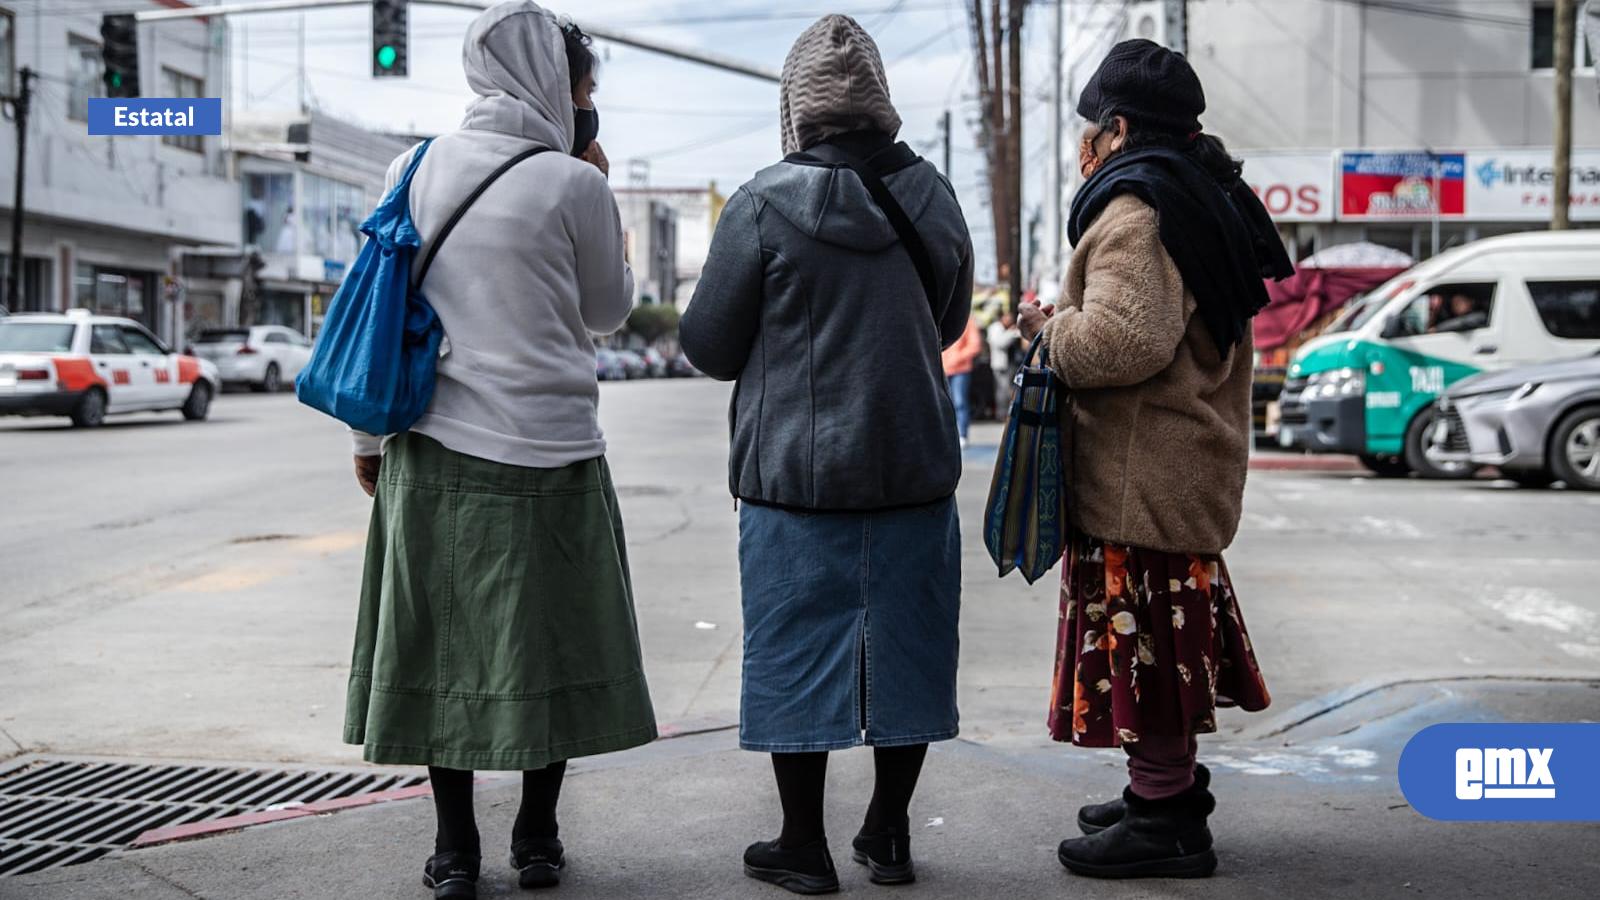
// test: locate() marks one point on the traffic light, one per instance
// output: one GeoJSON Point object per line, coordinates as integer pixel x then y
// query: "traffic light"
{"type": "Point", "coordinates": [389, 33]}
{"type": "Point", "coordinates": [119, 54]}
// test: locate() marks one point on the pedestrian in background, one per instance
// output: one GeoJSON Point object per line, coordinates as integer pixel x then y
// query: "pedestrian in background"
{"type": "Point", "coordinates": [1003, 338]}
{"type": "Point", "coordinates": [1152, 342]}
{"type": "Point", "coordinates": [843, 450]}
{"type": "Point", "coordinates": [957, 360]}
{"type": "Point", "coordinates": [497, 624]}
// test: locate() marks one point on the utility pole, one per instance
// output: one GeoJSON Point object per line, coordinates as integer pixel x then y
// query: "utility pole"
{"type": "Point", "coordinates": [1178, 26]}
{"type": "Point", "coordinates": [1014, 145]}
{"type": "Point", "coordinates": [944, 128]}
{"type": "Point", "coordinates": [19, 114]}
{"type": "Point", "coordinates": [1057, 101]}
{"type": "Point", "coordinates": [1566, 40]}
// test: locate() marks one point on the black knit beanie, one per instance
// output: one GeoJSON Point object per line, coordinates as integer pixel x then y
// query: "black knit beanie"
{"type": "Point", "coordinates": [1151, 85]}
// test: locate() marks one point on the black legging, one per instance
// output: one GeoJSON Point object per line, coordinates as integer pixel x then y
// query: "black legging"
{"type": "Point", "coordinates": [802, 778]}
{"type": "Point", "coordinates": [458, 827]}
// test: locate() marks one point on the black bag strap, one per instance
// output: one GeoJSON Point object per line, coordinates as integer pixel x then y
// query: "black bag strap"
{"type": "Point", "coordinates": [903, 226]}
{"type": "Point", "coordinates": [450, 223]}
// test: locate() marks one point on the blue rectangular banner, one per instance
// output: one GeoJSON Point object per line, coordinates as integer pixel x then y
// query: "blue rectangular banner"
{"type": "Point", "coordinates": [155, 115]}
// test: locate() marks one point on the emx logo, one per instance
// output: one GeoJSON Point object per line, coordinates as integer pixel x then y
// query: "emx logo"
{"type": "Point", "coordinates": [1500, 773]}
{"type": "Point", "coordinates": [1503, 772]}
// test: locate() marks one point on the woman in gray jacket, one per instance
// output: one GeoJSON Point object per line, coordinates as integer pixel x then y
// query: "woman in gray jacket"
{"type": "Point", "coordinates": [843, 450]}
{"type": "Point", "coordinates": [497, 628]}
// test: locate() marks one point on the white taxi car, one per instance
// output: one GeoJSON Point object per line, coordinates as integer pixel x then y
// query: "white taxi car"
{"type": "Point", "coordinates": [87, 366]}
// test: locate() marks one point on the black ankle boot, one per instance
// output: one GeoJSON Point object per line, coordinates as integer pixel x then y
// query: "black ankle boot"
{"type": "Point", "coordinates": [1154, 839]}
{"type": "Point", "coordinates": [887, 856]}
{"type": "Point", "coordinates": [1097, 817]}
{"type": "Point", "coordinates": [538, 861]}
{"type": "Point", "coordinates": [452, 875]}
{"type": "Point", "coordinates": [806, 869]}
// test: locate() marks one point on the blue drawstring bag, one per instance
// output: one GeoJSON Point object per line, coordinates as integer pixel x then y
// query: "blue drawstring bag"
{"type": "Point", "coordinates": [373, 364]}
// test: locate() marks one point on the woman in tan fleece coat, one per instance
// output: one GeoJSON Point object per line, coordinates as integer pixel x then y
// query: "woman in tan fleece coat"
{"type": "Point", "coordinates": [1152, 343]}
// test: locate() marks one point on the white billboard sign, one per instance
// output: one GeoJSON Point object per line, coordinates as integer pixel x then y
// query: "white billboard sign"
{"type": "Point", "coordinates": [1294, 187]}
{"type": "Point", "coordinates": [1517, 185]}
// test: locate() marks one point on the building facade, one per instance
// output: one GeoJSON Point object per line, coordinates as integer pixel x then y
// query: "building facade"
{"type": "Point", "coordinates": [305, 184]}
{"type": "Point", "coordinates": [695, 211]}
{"type": "Point", "coordinates": [650, 229]}
{"type": "Point", "coordinates": [1402, 124]}
{"type": "Point", "coordinates": [106, 219]}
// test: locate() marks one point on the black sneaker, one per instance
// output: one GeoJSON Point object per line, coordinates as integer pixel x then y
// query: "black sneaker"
{"type": "Point", "coordinates": [538, 862]}
{"type": "Point", "coordinates": [1097, 817]}
{"type": "Point", "coordinates": [802, 870]}
{"type": "Point", "coordinates": [452, 875]}
{"type": "Point", "coordinates": [1154, 839]}
{"type": "Point", "coordinates": [887, 857]}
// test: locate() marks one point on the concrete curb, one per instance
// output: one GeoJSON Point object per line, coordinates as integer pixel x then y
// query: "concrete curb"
{"type": "Point", "coordinates": [1286, 462]}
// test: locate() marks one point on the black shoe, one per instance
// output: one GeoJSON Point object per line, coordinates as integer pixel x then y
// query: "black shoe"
{"type": "Point", "coordinates": [452, 875]}
{"type": "Point", "coordinates": [1097, 817]}
{"type": "Point", "coordinates": [887, 856]}
{"type": "Point", "coordinates": [1154, 839]}
{"type": "Point", "coordinates": [538, 861]}
{"type": "Point", "coordinates": [803, 870]}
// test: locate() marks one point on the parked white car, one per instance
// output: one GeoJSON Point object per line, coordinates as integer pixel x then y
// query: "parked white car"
{"type": "Point", "coordinates": [85, 366]}
{"type": "Point", "coordinates": [266, 357]}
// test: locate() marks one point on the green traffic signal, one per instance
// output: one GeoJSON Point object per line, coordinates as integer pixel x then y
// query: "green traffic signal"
{"type": "Point", "coordinates": [387, 54]}
{"type": "Point", "coordinates": [116, 79]}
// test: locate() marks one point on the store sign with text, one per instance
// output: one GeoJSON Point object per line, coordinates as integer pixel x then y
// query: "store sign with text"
{"type": "Point", "coordinates": [1518, 185]}
{"type": "Point", "coordinates": [1294, 187]}
{"type": "Point", "coordinates": [1402, 186]}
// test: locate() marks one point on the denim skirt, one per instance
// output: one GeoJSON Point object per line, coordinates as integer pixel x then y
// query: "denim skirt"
{"type": "Point", "coordinates": [850, 627]}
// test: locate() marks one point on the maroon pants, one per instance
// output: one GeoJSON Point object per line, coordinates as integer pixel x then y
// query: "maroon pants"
{"type": "Point", "coordinates": [1161, 767]}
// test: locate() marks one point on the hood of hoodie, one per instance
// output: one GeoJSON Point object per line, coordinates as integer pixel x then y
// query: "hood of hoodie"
{"type": "Point", "coordinates": [830, 204]}
{"type": "Point", "coordinates": [516, 62]}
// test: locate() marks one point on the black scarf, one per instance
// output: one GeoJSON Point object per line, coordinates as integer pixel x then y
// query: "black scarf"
{"type": "Point", "coordinates": [1219, 235]}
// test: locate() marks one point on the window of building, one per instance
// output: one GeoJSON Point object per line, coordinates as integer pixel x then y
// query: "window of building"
{"type": "Point", "coordinates": [334, 210]}
{"type": "Point", "coordinates": [1544, 39]}
{"type": "Point", "coordinates": [8, 52]}
{"type": "Point", "coordinates": [1570, 309]}
{"type": "Point", "coordinates": [269, 213]}
{"type": "Point", "coordinates": [177, 84]}
{"type": "Point", "coordinates": [85, 71]}
{"type": "Point", "coordinates": [35, 293]}
{"type": "Point", "coordinates": [114, 292]}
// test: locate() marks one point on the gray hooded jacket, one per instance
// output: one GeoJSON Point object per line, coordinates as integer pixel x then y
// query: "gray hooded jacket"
{"type": "Point", "coordinates": [532, 269]}
{"type": "Point", "coordinates": [810, 302]}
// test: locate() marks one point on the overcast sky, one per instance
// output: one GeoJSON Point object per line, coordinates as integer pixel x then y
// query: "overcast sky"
{"type": "Point", "coordinates": [691, 123]}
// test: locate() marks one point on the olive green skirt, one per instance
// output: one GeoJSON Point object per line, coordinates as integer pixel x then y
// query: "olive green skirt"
{"type": "Point", "coordinates": [497, 627]}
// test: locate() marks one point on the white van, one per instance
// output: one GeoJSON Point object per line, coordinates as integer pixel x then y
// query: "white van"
{"type": "Point", "coordinates": [1367, 385]}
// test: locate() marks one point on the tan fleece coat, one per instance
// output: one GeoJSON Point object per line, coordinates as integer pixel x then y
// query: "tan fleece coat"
{"type": "Point", "coordinates": [1157, 424]}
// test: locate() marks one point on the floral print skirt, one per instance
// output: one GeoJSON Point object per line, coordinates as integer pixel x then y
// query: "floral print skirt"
{"type": "Point", "coordinates": [1148, 643]}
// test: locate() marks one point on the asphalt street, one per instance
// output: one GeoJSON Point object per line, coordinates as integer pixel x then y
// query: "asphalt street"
{"type": "Point", "coordinates": [187, 591]}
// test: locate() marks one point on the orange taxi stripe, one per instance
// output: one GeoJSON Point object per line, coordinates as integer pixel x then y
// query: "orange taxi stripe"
{"type": "Point", "coordinates": [76, 374]}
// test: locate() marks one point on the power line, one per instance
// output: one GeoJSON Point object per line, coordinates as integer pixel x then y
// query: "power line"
{"type": "Point", "coordinates": [1436, 12]}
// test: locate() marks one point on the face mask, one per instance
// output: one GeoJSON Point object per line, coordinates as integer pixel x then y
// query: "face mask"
{"type": "Point", "coordinates": [1088, 161]}
{"type": "Point", "coordinates": [585, 128]}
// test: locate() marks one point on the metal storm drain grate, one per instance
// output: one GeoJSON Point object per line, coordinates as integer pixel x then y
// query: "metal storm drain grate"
{"type": "Point", "coordinates": [60, 812]}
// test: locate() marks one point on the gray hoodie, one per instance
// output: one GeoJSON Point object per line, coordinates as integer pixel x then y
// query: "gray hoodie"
{"type": "Point", "coordinates": [532, 269]}
{"type": "Point", "coordinates": [811, 303]}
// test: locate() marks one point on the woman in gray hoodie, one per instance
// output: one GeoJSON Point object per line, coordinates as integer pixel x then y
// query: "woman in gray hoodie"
{"type": "Point", "coordinates": [834, 279]}
{"type": "Point", "coordinates": [497, 626]}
